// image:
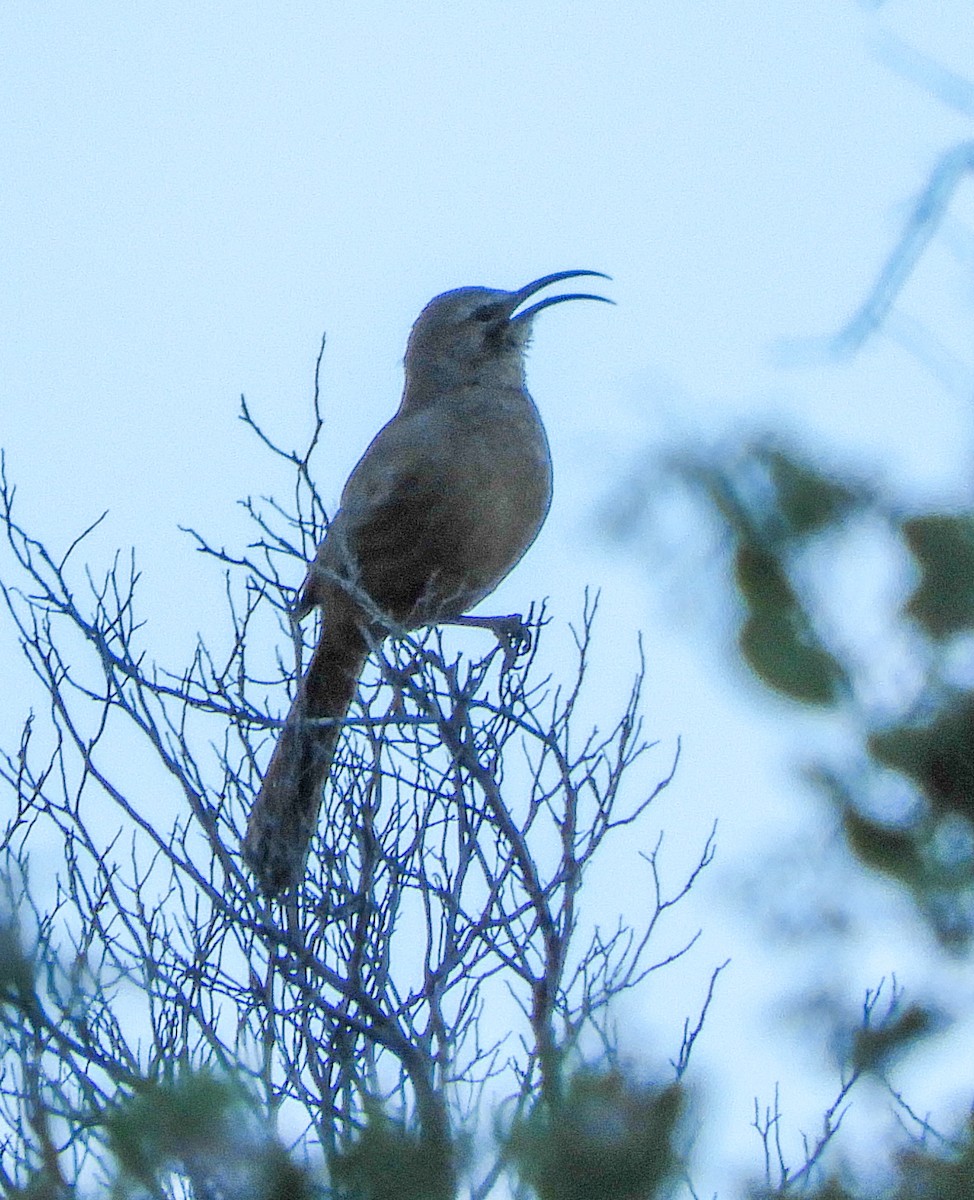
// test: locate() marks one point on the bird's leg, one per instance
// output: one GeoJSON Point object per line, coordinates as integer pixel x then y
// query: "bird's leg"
{"type": "Point", "coordinates": [512, 632]}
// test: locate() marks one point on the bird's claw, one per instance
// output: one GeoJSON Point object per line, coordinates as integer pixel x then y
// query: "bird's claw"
{"type": "Point", "coordinates": [512, 632]}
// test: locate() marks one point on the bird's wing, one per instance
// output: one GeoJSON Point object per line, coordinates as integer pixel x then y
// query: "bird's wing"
{"type": "Point", "coordinates": [400, 532]}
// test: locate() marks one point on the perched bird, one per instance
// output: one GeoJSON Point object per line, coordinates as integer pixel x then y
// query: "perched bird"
{"type": "Point", "coordinates": [440, 507]}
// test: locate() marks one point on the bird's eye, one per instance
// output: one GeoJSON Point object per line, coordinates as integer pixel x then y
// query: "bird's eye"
{"type": "Point", "coordinates": [488, 312]}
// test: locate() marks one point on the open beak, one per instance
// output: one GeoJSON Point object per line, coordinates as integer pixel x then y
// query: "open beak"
{"type": "Point", "coordinates": [530, 289]}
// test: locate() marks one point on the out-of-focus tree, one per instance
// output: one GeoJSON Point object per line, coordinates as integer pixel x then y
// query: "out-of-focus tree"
{"type": "Point", "coordinates": [791, 530]}
{"type": "Point", "coordinates": [791, 534]}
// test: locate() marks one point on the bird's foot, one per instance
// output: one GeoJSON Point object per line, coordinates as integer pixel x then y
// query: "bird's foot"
{"type": "Point", "coordinates": [512, 632]}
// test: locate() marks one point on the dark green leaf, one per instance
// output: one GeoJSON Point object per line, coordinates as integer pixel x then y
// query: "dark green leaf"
{"type": "Point", "coordinates": [762, 581]}
{"type": "Point", "coordinates": [783, 656]}
{"type": "Point", "coordinates": [892, 851]}
{"type": "Point", "coordinates": [937, 756]}
{"type": "Point", "coordinates": [807, 499]}
{"type": "Point", "coordinates": [943, 601]}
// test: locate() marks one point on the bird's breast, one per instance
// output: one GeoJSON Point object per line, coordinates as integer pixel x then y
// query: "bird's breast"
{"type": "Point", "coordinates": [443, 504]}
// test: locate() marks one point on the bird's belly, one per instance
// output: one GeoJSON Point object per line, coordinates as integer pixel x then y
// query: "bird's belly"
{"type": "Point", "coordinates": [477, 528]}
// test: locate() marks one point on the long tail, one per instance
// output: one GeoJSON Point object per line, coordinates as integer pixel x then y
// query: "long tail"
{"type": "Point", "coordinates": [285, 813]}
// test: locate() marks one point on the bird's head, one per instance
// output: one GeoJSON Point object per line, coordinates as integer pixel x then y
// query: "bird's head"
{"type": "Point", "coordinates": [476, 335]}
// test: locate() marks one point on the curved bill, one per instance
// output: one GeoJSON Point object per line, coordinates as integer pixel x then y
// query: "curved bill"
{"type": "Point", "coordinates": [530, 289]}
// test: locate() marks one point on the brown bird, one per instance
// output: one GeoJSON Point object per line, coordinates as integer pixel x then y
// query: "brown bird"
{"type": "Point", "coordinates": [440, 507]}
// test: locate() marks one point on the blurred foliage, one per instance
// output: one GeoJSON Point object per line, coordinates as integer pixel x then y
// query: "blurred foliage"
{"type": "Point", "coordinates": [202, 1128]}
{"type": "Point", "coordinates": [784, 522]}
{"type": "Point", "coordinates": [943, 546]}
{"type": "Point", "coordinates": [164, 1123]}
{"type": "Point", "coordinates": [390, 1161]}
{"type": "Point", "coordinates": [875, 1046]}
{"type": "Point", "coordinates": [938, 1175]}
{"type": "Point", "coordinates": [774, 637]}
{"type": "Point", "coordinates": [773, 505]}
{"type": "Point", "coordinates": [937, 754]}
{"type": "Point", "coordinates": [905, 793]}
{"type": "Point", "coordinates": [605, 1136]}
{"type": "Point", "coordinates": [920, 1173]}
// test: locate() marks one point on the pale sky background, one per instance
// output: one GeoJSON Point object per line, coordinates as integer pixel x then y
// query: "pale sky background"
{"type": "Point", "coordinates": [192, 194]}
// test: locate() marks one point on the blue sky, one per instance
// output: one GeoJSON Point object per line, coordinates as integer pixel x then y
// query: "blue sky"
{"type": "Point", "coordinates": [193, 194]}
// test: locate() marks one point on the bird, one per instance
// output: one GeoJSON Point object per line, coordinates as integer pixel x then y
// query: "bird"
{"type": "Point", "coordinates": [444, 502]}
